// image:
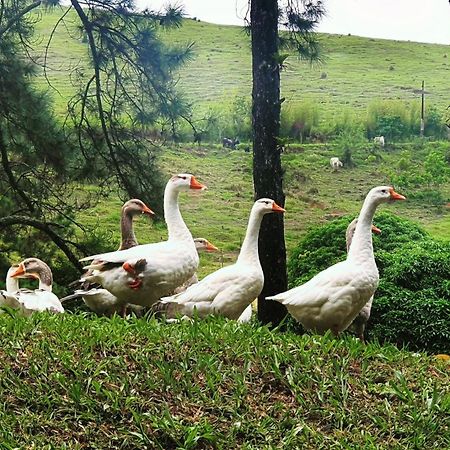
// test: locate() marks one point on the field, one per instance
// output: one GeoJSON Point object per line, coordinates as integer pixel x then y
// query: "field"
{"type": "Point", "coordinates": [78, 381]}
{"type": "Point", "coordinates": [358, 70]}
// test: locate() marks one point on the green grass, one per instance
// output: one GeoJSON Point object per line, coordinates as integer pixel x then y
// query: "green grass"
{"type": "Point", "coordinates": [78, 382]}
{"type": "Point", "coordinates": [358, 69]}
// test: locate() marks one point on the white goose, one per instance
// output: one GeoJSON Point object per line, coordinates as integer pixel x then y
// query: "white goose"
{"type": "Point", "coordinates": [229, 290]}
{"type": "Point", "coordinates": [142, 275]}
{"type": "Point", "coordinates": [359, 323]}
{"type": "Point", "coordinates": [97, 298]}
{"type": "Point", "coordinates": [28, 301]}
{"type": "Point", "coordinates": [201, 244]}
{"type": "Point", "coordinates": [333, 298]}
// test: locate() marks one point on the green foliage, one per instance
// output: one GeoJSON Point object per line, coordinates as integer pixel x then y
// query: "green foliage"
{"type": "Point", "coordinates": [347, 142]}
{"type": "Point", "coordinates": [392, 119]}
{"type": "Point", "coordinates": [80, 381]}
{"type": "Point", "coordinates": [434, 123]}
{"type": "Point", "coordinates": [412, 303]}
{"type": "Point", "coordinates": [298, 121]}
{"type": "Point", "coordinates": [324, 246]}
{"type": "Point", "coordinates": [422, 181]}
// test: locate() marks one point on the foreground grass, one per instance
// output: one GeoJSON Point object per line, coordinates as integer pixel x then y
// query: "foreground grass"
{"type": "Point", "coordinates": [75, 382]}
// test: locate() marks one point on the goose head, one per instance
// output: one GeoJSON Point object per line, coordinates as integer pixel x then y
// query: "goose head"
{"type": "Point", "coordinates": [204, 244]}
{"type": "Point", "coordinates": [184, 182]}
{"type": "Point", "coordinates": [34, 268]}
{"type": "Point", "coordinates": [134, 207]}
{"type": "Point", "coordinates": [384, 194]}
{"type": "Point", "coordinates": [266, 205]}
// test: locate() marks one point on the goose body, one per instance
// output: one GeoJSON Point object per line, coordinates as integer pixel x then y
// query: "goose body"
{"type": "Point", "coordinates": [102, 302]}
{"type": "Point", "coordinates": [96, 297]}
{"type": "Point", "coordinates": [143, 274]}
{"type": "Point", "coordinates": [28, 301]}
{"type": "Point", "coordinates": [229, 290]}
{"type": "Point", "coordinates": [333, 298]}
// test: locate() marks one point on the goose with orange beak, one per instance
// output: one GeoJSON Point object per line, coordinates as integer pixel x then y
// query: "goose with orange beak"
{"type": "Point", "coordinates": [28, 301]}
{"type": "Point", "coordinates": [230, 290]}
{"type": "Point", "coordinates": [142, 275]}
{"type": "Point", "coordinates": [97, 298]}
{"type": "Point", "coordinates": [333, 298]}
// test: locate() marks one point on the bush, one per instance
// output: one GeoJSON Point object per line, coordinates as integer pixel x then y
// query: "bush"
{"type": "Point", "coordinates": [392, 119]}
{"type": "Point", "coordinates": [298, 121]}
{"type": "Point", "coordinates": [417, 320]}
{"type": "Point", "coordinates": [412, 303]}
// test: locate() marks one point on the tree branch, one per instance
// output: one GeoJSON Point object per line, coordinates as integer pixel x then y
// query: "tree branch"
{"type": "Point", "coordinates": [44, 227]}
{"type": "Point", "coordinates": [18, 16]}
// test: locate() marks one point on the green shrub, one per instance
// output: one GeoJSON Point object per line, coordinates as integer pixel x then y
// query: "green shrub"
{"type": "Point", "coordinates": [299, 120]}
{"type": "Point", "coordinates": [325, 245]}
{"type": "Point", "coordinates": [393, 119]}
{"type": "Point", "coordinates": [412, 303]}
{"type": "Point", "coordinates": [419, 320]}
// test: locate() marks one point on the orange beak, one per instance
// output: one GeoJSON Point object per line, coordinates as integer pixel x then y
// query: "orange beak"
{"type": "Point", "coordinates": [376, 230]}
{"type": "Point", "coordinates": [277, 208]}
{"type": "Point", "coordinates": [396, 195]}
{"type": "Point", "coordinates": [147, 210]}
{"type": "Point", "coordinates": [211, 248]}
{"type": "Point", "coordinates": [195, 184]}
{"type": "Point", "coordinates": [19, 271]}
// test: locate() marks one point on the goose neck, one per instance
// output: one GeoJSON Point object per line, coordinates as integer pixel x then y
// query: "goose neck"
{"type": "Point", "coordinates": [126, 228]}
{"type": "Point", "coordinates": [249, 249]}
{"type": "Point", "coordinates": [176, 227]}
{"type": "Point", "coordinates": [12, 284]}
{"type": "Point", "coordinates": [45, 279]}
{"type": "Point", "coordinates": [361, 248]}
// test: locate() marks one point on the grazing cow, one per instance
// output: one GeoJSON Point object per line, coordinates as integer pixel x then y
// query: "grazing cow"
{"type": "Point", "coordinates": [230, 143]}
{"type": "Point", "coordinates": [335, 163]}
{"type": "Point", "coordinates": [379, 140]}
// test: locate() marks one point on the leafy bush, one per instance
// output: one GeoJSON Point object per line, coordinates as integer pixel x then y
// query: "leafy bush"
{"type": "Point", "coordinates": [298, 121]}
{"type": "Point", "coordinates": [419, 320]}
{"type": "Point", "coordinates": [412, 303]}
{"type": "Point", "coordinates": [324, 246]}
{"type": "Point", "coordinates": [392, 119]}
{"type": "Point", "coordinates": [423, 181]}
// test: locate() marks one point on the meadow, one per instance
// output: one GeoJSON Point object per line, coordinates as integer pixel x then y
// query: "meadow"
{"type": "Point", "coordinates": [354, 71]}
{"type": "Point", "coordinates": [77, 381]}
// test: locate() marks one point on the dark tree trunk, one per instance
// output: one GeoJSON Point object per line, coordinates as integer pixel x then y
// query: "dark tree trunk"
{"type": "Point", "coordinates": [267, 173]}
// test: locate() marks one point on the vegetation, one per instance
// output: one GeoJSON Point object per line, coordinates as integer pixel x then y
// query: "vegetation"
{"type": "Point", "coordinates": [76, 381]}
{"type": "Point", "coordinates": [221, 69]}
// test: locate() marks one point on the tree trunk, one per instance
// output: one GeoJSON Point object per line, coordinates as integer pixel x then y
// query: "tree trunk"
{"type": "Point", "coordinates": [267, 172]}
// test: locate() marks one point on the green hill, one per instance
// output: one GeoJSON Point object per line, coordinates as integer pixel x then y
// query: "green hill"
{"type": "Point", "coordinates": [355, 72]}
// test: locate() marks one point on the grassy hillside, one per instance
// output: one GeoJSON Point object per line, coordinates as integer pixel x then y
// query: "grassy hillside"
{"type": "Point", "coordinates": [358, 70]}
{"type": "Point", "coordinates": [74, 382]}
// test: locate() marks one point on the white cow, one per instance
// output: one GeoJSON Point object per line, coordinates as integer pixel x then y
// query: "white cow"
{"type": "Point", "coordinates": [335, 163]}
{"type": "Point", "coordinates": [379, 140]}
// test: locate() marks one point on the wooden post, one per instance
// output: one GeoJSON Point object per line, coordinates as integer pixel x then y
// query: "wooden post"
{"type": "Point", "coordinates": [422, 115]}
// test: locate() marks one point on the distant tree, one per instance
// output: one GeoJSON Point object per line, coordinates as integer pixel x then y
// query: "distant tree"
{"type": "Point", "coordinates": [300, 19]}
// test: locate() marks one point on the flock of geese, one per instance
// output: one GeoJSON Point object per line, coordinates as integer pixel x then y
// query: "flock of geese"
{"type": "Point", "coordinates": [162, 275]}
